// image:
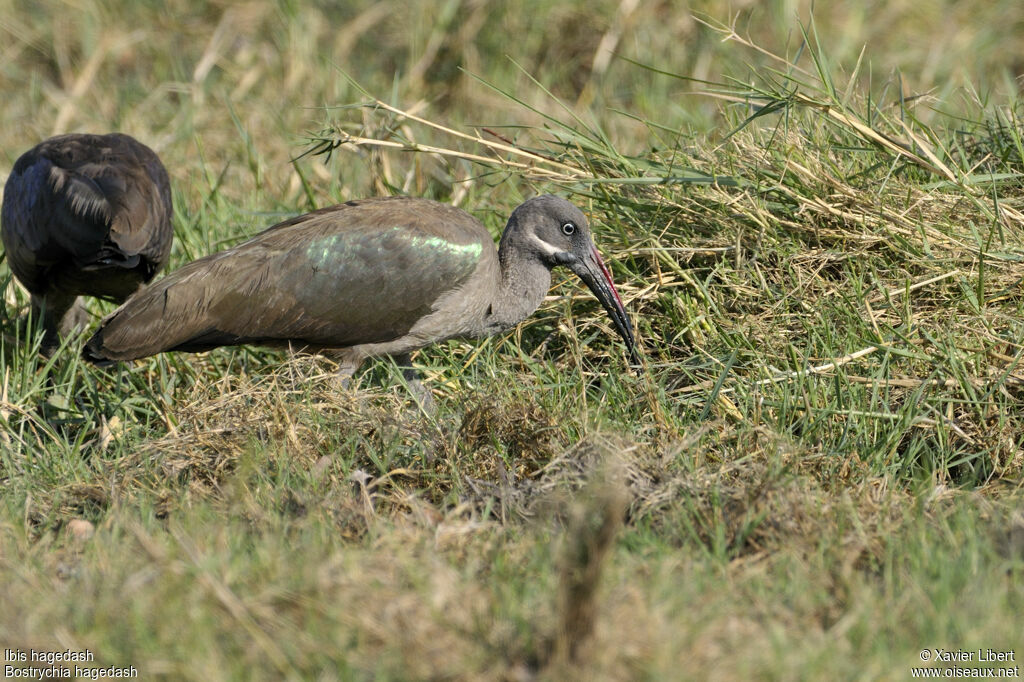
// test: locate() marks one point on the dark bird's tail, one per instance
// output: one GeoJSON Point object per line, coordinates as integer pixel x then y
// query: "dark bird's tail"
{"type": "Point", "coordinates": [94, 352]}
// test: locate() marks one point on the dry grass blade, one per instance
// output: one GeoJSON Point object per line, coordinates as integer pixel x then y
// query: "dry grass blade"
{"type": "Point", "coordinates": [233, 605]}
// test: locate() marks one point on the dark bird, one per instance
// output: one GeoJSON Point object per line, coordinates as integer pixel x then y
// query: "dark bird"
{"type": "Point", "coordinates": [85, 215]}
{"type": "Point", "coordinates": [366, 278]}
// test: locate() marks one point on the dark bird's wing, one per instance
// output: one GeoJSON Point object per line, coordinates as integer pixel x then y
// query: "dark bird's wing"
{"type": "Point", "coordinates": [358, 273]}
{"type": "Point", "coordinates": [81, 204]}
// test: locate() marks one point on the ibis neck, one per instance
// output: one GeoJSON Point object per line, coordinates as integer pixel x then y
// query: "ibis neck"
{"type": "Point", "coordinates": [521, 288]}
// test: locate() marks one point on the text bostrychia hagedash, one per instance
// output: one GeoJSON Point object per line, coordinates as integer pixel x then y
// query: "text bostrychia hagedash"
{"type": "Point", "coordinates": [362, 279]}
{"type": "Point", "coordinates": [85, 215]}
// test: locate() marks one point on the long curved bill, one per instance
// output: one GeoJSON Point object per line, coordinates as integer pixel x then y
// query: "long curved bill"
{"type": "Point", "coordinates": [592, 270]}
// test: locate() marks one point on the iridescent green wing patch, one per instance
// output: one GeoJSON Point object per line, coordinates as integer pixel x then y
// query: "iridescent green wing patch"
{"type": "Point", "coordinates": [391, 253]}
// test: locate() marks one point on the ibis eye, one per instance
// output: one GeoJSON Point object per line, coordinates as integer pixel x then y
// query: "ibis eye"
{"type": "Point", "coordinates": [568, 229]}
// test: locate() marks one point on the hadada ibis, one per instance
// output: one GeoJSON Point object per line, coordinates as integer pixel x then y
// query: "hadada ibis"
{"type": "Point", "coordinates": [362, 279]}
{"type": "Point", "coordinates": [85, 215]}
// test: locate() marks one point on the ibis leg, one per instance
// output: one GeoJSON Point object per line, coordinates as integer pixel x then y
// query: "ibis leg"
{"type": "Point", "coordinates": [75, 319]}
{"type": "Point", "coordinates": [60, 314]}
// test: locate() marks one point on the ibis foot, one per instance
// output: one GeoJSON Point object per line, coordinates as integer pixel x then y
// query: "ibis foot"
{"type": "Point", "coordinates": [423, 396]}
{"type": "Point", "coordinates": [346, 370]}
{"type": "Point", "coordinates": [410, 377]}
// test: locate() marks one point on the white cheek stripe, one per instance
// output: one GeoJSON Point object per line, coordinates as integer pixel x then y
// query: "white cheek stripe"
{"type": "Point", "coordinates": [545, 246]}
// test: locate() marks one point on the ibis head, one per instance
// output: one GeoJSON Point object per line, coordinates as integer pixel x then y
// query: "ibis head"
{"type": "Point", "coordinates": [362, 279]}
{"type": "Point", "coordinates": [556, 232]}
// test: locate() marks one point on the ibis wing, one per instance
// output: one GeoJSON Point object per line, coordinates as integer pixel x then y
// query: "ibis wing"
{"type": "Point", "coordinates": [339, 277]}
{"type": "Point", "coordinates": [139, 190]}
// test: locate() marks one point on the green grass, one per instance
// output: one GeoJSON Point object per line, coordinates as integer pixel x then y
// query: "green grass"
{"type": "Point", "coordinates": [816, 224]}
